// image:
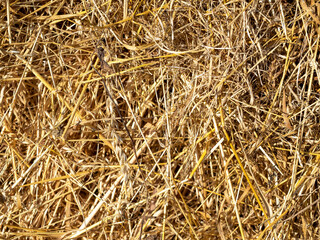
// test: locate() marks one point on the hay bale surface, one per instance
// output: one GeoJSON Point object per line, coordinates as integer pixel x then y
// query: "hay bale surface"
{"type": "Point", "coordinates": [159, 120]}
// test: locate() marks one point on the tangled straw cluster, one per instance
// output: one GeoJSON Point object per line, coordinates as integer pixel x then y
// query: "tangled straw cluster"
{"type": "Point", "coordinates": [221, 103]}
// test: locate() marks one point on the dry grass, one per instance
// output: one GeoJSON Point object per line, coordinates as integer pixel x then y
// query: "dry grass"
{"type": "Point", "coordinates": [221, 101]}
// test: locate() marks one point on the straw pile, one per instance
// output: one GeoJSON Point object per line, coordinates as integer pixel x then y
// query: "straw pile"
{"type": "Point", "coordinates": [159, 120]}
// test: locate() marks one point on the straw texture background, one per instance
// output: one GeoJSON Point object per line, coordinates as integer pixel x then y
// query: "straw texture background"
{"type": "Point", "coordinates": [159, 119]}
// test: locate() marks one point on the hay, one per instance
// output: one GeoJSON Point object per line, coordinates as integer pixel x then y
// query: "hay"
{"type": "Point", "coordinates": [207, 126]}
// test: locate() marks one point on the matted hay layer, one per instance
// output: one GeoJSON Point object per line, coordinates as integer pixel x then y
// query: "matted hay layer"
{"type": "Point", "coordinates": [207, 126]}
